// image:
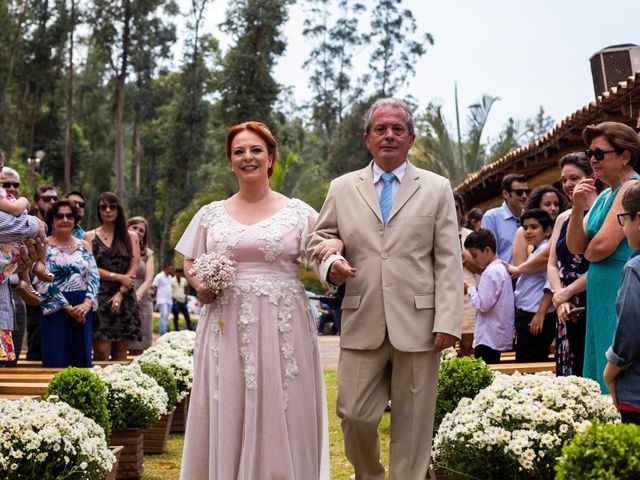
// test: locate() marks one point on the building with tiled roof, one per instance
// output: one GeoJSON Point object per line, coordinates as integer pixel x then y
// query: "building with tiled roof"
{"type": "Point", "coordinates": [539, 159]}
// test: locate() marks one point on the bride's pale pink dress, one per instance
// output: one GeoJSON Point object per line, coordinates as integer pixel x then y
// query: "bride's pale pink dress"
{"type": "Point", "coordinates": [258, 406]}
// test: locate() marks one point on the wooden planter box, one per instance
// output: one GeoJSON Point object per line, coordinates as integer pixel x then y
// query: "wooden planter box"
{"type": "Point", "coordinates": [155, 437]}
{"type": "Point", "coordinates": [179, 422]}
{"type": "Point", "coordinates": [132, 456]}
{"type": "Point", "coordinates": [117, 451]}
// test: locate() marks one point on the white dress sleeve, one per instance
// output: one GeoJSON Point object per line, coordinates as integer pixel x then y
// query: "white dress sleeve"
{"type": "Point", "coordinates": [193, 242]}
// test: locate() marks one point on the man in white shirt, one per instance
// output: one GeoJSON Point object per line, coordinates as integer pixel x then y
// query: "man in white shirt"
{"type": "Point", "coordinates": [162, 283]}
{"type": "Point", "coordinates": [179, 287]}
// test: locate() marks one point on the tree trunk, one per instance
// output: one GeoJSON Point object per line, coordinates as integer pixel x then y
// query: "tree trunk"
{"type": "Point", "coordinates": [12, 56]}
{"type": "Point", "coordinates": [69, 122]}
{"type": "Point", "coordinates": [121, 85]}
{"type": "Point", "coordinates": [137, 154]}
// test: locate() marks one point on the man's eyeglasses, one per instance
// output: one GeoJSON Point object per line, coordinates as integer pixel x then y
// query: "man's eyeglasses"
{"type": "Point", "coordinates": [598, 153]}
{"type": "Point", "coordinates": [108, 206]}
{"type": "Point", "coordinates": [49, 198]}
{"type": "Point", "coordinates": [78, 204]}
{"type": "Point", "coordinates": [62, 216]}
{"type": "Point", "coordinates": [622, 217]}
{"type": "Point", "coordinates": [10, 184]}
{"type": "Point", "coordinates": [520, 191]}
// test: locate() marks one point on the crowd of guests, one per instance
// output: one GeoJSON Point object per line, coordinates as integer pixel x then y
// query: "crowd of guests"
{"type": "Point", "coordinates": [557, 268]}
{"type": "Point", "coordinates": [80, 295]}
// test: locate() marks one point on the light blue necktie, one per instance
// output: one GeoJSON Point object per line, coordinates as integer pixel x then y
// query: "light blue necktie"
{"type": "Point", "coordinates": [386, 197]}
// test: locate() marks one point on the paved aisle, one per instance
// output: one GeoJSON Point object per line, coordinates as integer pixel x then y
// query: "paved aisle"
{"type": "Point", "coordinates": [329, 351]}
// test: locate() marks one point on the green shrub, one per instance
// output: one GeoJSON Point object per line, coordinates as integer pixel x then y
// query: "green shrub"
{"type": "Point", "coordinates": [459, 378]}
{"type": "Point", "coordinates": [165, 379]}
{"type": "Point", "coordinates": [83, 390]}
{"type": "Point", "coordinates": [603, 452]}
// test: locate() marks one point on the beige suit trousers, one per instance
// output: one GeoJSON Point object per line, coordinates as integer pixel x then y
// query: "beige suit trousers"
{"type": "Point", "coordinates": [368, 380]}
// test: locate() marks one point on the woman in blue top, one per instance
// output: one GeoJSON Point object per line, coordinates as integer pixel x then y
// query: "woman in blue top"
{"type": "Point", "coordinates": [614, 151]}
{"type": "Point", "coordinates": [66, 324]}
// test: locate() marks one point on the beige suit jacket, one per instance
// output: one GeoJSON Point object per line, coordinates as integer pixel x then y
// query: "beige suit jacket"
{"type": "Point", "coordinates": [409, 275]}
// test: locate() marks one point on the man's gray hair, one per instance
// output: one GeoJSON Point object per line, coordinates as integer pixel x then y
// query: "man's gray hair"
{"type": "Point", "coordinates": [12, 172]}
{"type": "Point", "coordinates": [389, 102]}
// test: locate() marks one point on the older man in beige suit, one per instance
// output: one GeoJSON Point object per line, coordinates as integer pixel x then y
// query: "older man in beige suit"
{"type": "Point", "coordinates": [404, 294]}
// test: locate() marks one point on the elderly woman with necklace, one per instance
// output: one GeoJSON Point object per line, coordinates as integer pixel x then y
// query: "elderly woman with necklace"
{"type": "Point", "coordinates": [66, 324]}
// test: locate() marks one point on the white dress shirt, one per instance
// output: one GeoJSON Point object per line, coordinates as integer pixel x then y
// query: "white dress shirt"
{"type": "Point", "coordinates": [398, 172]}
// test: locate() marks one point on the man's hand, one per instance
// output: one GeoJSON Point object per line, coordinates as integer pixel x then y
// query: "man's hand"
{"type": "Point", "coordinates": [535, 326]}
{"type": "Point", "coordinates": [339, 271]}
{"type": "Point", "coordinates": [444, 340]}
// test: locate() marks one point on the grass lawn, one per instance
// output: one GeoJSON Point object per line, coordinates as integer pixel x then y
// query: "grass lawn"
{"type": "Point", "coordinates": [167, 466]}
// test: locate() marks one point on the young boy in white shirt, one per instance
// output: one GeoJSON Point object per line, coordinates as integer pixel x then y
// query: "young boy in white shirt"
{"type": "Point", "coordinates": [493, 299]}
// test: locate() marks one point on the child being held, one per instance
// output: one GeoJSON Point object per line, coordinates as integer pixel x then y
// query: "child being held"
{"type": "Point", "coordinates": [493, 299]}
{"type": "Point", "coordinates": [535, 315]}
{"type": "Point", "coordinates": [9, 251]}
{"type": "Point", "coordinates": [622, 373]}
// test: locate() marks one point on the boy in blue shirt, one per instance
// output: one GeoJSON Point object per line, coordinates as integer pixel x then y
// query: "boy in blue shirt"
{"type": "Point", "coordinates": [622, 373]}
{"type": "Point", "coordinates": [535, 315]}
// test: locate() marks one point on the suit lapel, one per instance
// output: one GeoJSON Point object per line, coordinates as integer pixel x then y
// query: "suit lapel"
{"type": "Point", "coordinates": [410, 183]}
{"type": "Point", "coordinates": [367, 190]}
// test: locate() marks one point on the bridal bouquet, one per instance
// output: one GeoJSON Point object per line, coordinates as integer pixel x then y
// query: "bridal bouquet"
{"type": "Point", "coordinates": [215, 272]}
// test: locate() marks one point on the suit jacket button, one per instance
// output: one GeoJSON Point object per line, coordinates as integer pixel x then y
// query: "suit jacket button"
{"type": "Point", "coordinates": [385, 255]}
{"type": "Point", "coordinates": [381, 227]}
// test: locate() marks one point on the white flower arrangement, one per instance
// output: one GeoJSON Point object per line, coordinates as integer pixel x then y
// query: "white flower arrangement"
{"type": "Point", "coordinates": [134, 399]}
{"type": "Point", "coordinates": [448, 354]}
{"type": "Point", "coordinates": [175, 360]}
{"type": "Point", "coordinates": [184, 340]}
{"type": "Point", "coordinates": [50, 440]}
{"type": "Point", "coordinates": [215, 272]}
{"type": "Point", "coordinates": [515, 428]}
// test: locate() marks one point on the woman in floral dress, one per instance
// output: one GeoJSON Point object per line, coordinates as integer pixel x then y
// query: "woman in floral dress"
{"type": "Point", "coordinates": [258, 407]}
{"type": "Point", "coordinates": [566, 274]}
{"type": "Point", "coordinates": [66, 324]}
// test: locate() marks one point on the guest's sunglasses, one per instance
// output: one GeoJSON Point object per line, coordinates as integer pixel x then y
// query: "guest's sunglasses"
{"type": "Point", "coordinates": [10, 184]}
{"type": "Point", "coordinates": [79, 204]}
{"type": "Point", "coordinates": [521, 191]}
{"type": "Point", "coordinates": [49, 198]}
{"type": "Point", "coordinates": [598, 153]}
{"type": "Point", "coordinates": [622, 217]}
{"type": "Point", "coordinates": [108, 206]}
{"type": "Point", "coordinates": [62, 216]}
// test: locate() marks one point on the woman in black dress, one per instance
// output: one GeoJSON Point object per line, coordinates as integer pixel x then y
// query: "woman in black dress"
{"type": "Point", "coordinates": [117, 254]}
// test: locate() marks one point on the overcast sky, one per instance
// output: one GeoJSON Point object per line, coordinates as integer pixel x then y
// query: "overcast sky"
{"type": "Point", "coordinates": [528, 53]}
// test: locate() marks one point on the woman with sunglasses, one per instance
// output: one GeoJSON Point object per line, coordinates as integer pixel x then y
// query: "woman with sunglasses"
{"type": "Point", "coordinates": [117, 254]}
{"type": "Point", "coordinates": [66, 324]}
{"type": "Point", "coordinates": [614, 152]}
{"type": "Point", "coordinates": [142, 285]}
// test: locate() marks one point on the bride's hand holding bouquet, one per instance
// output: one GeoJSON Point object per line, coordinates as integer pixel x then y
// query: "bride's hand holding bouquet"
{"type": "Point", "coordinates": [214, 274]}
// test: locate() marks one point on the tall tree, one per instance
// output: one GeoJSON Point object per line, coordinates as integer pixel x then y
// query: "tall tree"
{"type": "Point", "coordinates": [396, 51]}
{"type": "Point", "coordinates": [330, 59]}
{"type": "Point", "coordinates": [246, 84]}
{"type": "Point", "coordinates": [68, 137]}
{"type": "Point", "coordinates": [437, 149]}
{"type": "Point", "coordinates": [118, 28]}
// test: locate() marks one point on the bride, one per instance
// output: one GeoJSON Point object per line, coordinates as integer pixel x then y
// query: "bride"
{"type": "Point", "coordinates": [258, 406]}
